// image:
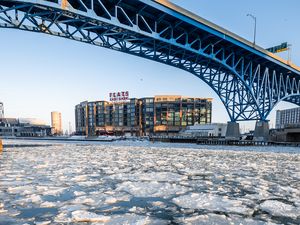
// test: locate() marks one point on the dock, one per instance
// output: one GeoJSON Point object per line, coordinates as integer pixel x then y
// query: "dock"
{"type": "Point", "coordinates": [219, 141]}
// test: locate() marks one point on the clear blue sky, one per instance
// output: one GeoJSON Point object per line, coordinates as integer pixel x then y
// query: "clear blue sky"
{"type": "Point", "coordinates": [40, 73]}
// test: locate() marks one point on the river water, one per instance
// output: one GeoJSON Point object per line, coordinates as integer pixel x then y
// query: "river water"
{"type": "Point", "coordinates": [146, 183]}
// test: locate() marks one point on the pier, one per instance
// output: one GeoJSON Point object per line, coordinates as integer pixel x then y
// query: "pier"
{"type": "Point", "coordinates": [219, 141]}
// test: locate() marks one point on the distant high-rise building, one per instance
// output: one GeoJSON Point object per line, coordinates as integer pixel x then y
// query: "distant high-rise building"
{"type": "Point", "coordinates": [56, 123]}
{"type": "Point", "coordinates": [1, 110]}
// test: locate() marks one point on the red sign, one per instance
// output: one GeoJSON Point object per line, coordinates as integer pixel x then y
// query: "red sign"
{"type": "Point", "coordinates": [119, 96]}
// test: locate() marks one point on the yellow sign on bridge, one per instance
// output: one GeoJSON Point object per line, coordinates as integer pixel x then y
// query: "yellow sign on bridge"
{"type": "Point", "coordinates": [64, 4]}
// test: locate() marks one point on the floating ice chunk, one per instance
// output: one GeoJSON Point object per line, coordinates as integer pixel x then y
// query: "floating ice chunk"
{"type": "Point", "coordinates": [21, 190]}
{"type": "Point", "coordinates": [42, 188]}
{"type": "Point", "coordinates": [179, 165]}
{"type": "Point", "coordinates": [161, 162]}
{"type": "Point", "coordinates": [71, 208]}
{"type": "Point", "coordinates": [43, 223]}
{"type": "Point", "coordinates": [79, 193]}
{"type": "Point", "coordinates": [54, 191]}
{"type": "Point", "coordinates": [5, 182]}
{"type": "Point", "coordinates": [152, 189]}
{"type": "Point", "coordinates": [162, 177]}
{"type": "Point", "coordinates": [133, 209]}
{"type": "Point", "coordinates": [48, 205]}
{"type": "Point", "coordinates": [83, 200]}
{"type": "Point", "coordinates": [154, 176]}
{"type": "Point", "coordinates": [110, 192]}
{"type": "Point", "coordinates": [110, 200]}
{"type": "Point", "coordinates": [214, 219]}
{"type": "Point", "coordinates": [80, 178]}
{"type": "Point", "coordinates": [85, 216]}
{"type": "Point", "coordinates": [277, 208]}
{"type": "Point", "coordinates": [63, 178]}
{"type": "Point", "coordinates": [208, 183]}
{"type": "Point", "coordinates": [41, 166]}
{"type": "Point", "coordinates": [29, 199]}
{"type": "Point", "coordinates": [212, 202]}
{"type": "Point", "coordinates": [134, 219]}
{"type": "Point", "coordinates": [158, 204]}
{"type": "Point", "coordinates": [205, 219]}
{"type": "Point", "coordinates": [89, 183]}
{"type": "Point", "coordinates": [247, 221]}
{"type": "Point", "coordinates": [203, 173]}
{"type": "Point", "coordinates": [290, 190]}
{"type": "Point", "coordinates": [117, 197]}
{"type": "Point", "coordinates": [62, 218]}
{"type": "Point", "coordinates": [137, 210]}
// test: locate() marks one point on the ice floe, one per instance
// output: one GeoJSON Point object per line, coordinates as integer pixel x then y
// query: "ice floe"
{"type": "Point", "coordinates": [48, 205]}
{"type": "Point", "coordinates": [145, 183]}
{"type": "Point", "coordinates": [84, 200]}
{"type": "Point", "coordinates": [54, 191]}
{"type": "Point", "coordinates": [277, 208]}
{"type": "Point", "coordinates": [150, 176]}
{"type": "Point", "coordinates": [152, 189]}
{"type": "Point", "coordinates": [85, 216]}
{"type": "Point", "coordinates": [133, 219]}
{"type": "Point", "coordinates": [43, 223]}
{"type": "Point", "coordinates": [212, 202]}
{"type": "Point", "coordinates": [216, 219]}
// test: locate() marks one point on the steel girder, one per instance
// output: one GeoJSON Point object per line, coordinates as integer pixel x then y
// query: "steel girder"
{"type": "Point", "coordinates": [248, 85]}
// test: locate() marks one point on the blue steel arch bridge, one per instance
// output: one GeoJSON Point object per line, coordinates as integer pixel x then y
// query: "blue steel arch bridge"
{"type": "Point", "coordinates": [249, 80]}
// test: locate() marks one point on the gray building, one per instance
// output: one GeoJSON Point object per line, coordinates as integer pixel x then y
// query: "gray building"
{"type": "Point", "coordinates": [12, 127]}
{"type": "Point", "coordinates": [288, 118]}
{"type": "Point", "coordinates": [206, 130]}
{"type": "Point", "coordinates": [1, 110]}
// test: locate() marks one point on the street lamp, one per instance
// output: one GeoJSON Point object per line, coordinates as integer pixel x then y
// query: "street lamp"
{"type": "Point", "coordinates": [254, 18]}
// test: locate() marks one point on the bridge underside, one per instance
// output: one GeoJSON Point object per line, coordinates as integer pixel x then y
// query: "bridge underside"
{"type": "Point", "coordinates": [248, 84]}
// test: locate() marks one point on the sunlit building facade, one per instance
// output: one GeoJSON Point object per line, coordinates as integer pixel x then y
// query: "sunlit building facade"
{"type": "Point", "coordinates": [153, 115]}
{"type": "Point", "coordinates": [288, 117]}
{"type": "Point", "coordinates": [56, 123]}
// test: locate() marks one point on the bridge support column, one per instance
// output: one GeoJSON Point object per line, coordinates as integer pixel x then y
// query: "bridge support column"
{"type": "Point", "coordinates": [261, 132]}
{"type": "Point", "coordinates": [233, 131]}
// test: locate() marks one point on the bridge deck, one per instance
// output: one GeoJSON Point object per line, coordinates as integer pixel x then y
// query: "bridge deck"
{"type": "Point", "coordinates": [228, 35]}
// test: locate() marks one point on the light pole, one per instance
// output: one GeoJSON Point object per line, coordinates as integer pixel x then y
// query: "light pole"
{"type": "Point", "coordinates": [254, 18]}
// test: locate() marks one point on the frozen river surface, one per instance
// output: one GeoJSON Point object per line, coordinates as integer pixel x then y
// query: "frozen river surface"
{"type": "Point", "coordinates": [149, 184]}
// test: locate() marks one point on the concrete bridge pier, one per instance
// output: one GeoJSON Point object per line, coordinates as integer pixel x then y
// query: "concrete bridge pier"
{"type": "Point", "coordinates": [262, 131]}
{"type": "Point", "coordinates": [233, 131]}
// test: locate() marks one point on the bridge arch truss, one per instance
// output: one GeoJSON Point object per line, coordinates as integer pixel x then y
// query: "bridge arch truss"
{"type": "Point", "coordinates": [248, 81]}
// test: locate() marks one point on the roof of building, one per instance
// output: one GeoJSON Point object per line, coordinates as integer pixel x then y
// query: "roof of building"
{"type": "Point", "coordinates": [12, 121]}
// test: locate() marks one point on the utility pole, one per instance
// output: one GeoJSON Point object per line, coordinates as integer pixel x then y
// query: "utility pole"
{"type": "Point", "coordinates": [70, 128]}
{"type": "Point", "coordinates": [289, 53]}
{"type": "Point", "coordinates": [254, 18]}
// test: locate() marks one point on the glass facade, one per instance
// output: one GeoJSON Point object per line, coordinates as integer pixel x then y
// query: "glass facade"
{"type": "Point", "coordinates": [159, 114]}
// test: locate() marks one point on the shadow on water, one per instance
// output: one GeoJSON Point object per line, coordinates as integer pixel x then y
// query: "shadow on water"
{"type": "Point", "coordinates": [65, 196]}
{"type": "Point", "coordinates": [38, 213]}
{"type": "Point", "coordinates": [166, 211]}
